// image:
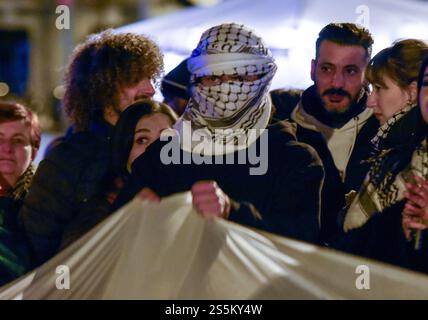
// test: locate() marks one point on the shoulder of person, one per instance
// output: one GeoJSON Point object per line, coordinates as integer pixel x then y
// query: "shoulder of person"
{"type": "Point", "coordinates": [283, 129]}
{"type": "Point", "coordinates": [284, 101]}
{"type": "Point", "coordinates": [282, 137]}
{"type": "Point", "coordinates": [76, 146]}
{"type": "Point", "coordinates": [77, 153]}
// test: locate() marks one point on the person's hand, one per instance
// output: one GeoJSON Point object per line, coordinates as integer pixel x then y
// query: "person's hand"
{"type": "Point", "coordinates": [149, 195]}
{"type": "Point", "coordinates": [209, 200]}
{"type": "Point", "coordinates": [415, 213]}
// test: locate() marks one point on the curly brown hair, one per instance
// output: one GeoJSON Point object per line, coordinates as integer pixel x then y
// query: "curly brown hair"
{"type": "Point", "coordinates": [100, 67]}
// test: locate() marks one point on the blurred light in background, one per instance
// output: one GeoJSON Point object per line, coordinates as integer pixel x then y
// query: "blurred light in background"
{"type": "Point", "coordinates": [288, 27]}
{"type": "Point", "coordinates": [15, 60]}
{"type": "Point", "coordinates": [58, 92]}
{"type": "Point", "coordinates": [4, 89]}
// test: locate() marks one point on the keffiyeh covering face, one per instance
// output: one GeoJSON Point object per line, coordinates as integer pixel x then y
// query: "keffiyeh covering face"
{"type": "Point", "coordinates": [228, 110]}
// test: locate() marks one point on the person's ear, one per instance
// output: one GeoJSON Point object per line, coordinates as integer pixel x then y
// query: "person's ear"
{"type": "Point", "coordinates": [110, 115]}
{"type": "Point", "coordinates": [413, 92]}
{"type": "Point", "coordinates": [33, 153]}
{"type": "Point", "coordinates": [313, 68]}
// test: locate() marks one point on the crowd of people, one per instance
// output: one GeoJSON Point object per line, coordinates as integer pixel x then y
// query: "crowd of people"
{"type": "Point", "coordinates": [342, 164]}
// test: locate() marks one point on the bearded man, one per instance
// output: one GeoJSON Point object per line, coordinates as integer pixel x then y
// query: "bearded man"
{"type": "Point", "coordinates": [332, 117]}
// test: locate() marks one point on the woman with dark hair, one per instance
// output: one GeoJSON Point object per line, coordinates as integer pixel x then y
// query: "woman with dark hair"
{"type": "Point", "coordinates": [138, 126]}
{"type": "Point", "coordinates": [373, 221]}
{"type": "Point", "coordinates": [19, 142]}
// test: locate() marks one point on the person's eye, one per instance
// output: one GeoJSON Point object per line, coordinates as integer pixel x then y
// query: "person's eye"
{"type": "Point", "coordinates": [141, 140]}
{"type": "Point", "coordinates": [326, 69]}
{"type": "Point", "coordinates": [352, 71]}
{"type": "Point", "coordinates": [373, 88]}
{"type": "Point", "coordinates": [209, 80]}
{"type": "Point", "coordinates": [19, 141]}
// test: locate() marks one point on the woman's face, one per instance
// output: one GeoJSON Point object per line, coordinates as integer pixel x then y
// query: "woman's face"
{"type": "Point", "coordinates": [147, 131]}
{"type": "Point", "coordinates": [386, 100]}
{"type": "Point", "coordinates": [423, 96]}
{"type": "Point", "coordinates": [16, 152]}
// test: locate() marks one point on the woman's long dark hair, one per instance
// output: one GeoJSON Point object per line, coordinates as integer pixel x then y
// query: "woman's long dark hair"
{"type": "Point", "coordinates": [123, 138]}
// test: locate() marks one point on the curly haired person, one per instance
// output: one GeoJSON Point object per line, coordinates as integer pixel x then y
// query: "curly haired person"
{"type": "Point", "coordinates": [106, 74]}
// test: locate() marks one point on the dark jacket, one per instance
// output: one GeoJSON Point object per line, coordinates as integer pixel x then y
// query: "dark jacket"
{"type": "Point", "coordinates": [335, 188]}
{"type": "Point", "coordinates": [286, 197]}
{"type": "Point", "coordinates": [15, 255]}
{"type": "Point", "coordinates": [63, 189]}
{"type": "Point", "coordinates": [382, 238]}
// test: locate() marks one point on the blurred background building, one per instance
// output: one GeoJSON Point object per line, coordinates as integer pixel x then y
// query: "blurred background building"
{"type": "Point", "coordinates": [34, 52]}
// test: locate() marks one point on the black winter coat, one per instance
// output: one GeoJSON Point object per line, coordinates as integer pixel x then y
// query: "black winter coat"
{"type": "Point", "coordinates": [382, 238]}
{"type": "Point", "coordinates": [64, 187]}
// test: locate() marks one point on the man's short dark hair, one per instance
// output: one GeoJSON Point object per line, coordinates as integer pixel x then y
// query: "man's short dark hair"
{"type": "Point", "coordinates": [347, 34]}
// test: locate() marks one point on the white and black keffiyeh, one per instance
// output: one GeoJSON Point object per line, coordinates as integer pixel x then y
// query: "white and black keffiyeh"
{"type": "Point", "coordinates": [227, 111]}
{"type": "Point", "coordinates": [382, 188]}
{"type": "Point", "coordinates": [383, 131]}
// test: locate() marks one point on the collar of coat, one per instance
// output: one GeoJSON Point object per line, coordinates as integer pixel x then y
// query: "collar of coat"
{"type": "Point", "coordinates": [304, 119]}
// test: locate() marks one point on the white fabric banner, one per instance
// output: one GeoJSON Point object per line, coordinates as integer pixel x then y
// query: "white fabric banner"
{"type": "Point", "coordinates": [167, 251]}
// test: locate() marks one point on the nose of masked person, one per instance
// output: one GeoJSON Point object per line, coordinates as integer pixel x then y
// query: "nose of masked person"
{"type": "Point", "coordinates": [226, 95]}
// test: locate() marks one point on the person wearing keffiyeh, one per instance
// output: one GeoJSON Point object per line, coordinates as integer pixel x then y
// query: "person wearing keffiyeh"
{"type": "Point", "coordinates": [372, 222]}
{"type": "Point", "coordinates": [19, 142]}
{"type": "Point", "coordinates": [231, 71]}
{"type": "Point", "coordinates": [393, 74]}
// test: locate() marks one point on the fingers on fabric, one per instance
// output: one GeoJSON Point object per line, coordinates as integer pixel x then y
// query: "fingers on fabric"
{"type": "Point", "coordinates": [419, 187]}
{"type": "Point", "coordinates": [149, 195]}
{"type": "Point", "coordinates": [209, 200]}
{"type": "Point", "coordinates": [416, 198]}
{"type": "Point", "coordinates": [406, 228]}
{"type": "Point", "coordinates": [412, 210]}
{"type": "Point", "coordinates": [411, 223]}
{"type": "Point", "coordinates": [422, 183]}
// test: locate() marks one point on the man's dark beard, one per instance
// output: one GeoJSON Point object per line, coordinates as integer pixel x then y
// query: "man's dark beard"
{"type": "Point", "coordinates": [313, 104]}
{"type": "Point", "coordinates": [340, 92]}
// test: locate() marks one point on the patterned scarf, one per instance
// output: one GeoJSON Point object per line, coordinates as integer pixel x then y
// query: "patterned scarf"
{"type": "Point", "coordinates": [227, 111]}
{"type": "Point", "coordinates": [384, 186]}
{"type": "Point", "coordinates": [383, 131]}
{"type": "Point", "coordinates": [23, 184]}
